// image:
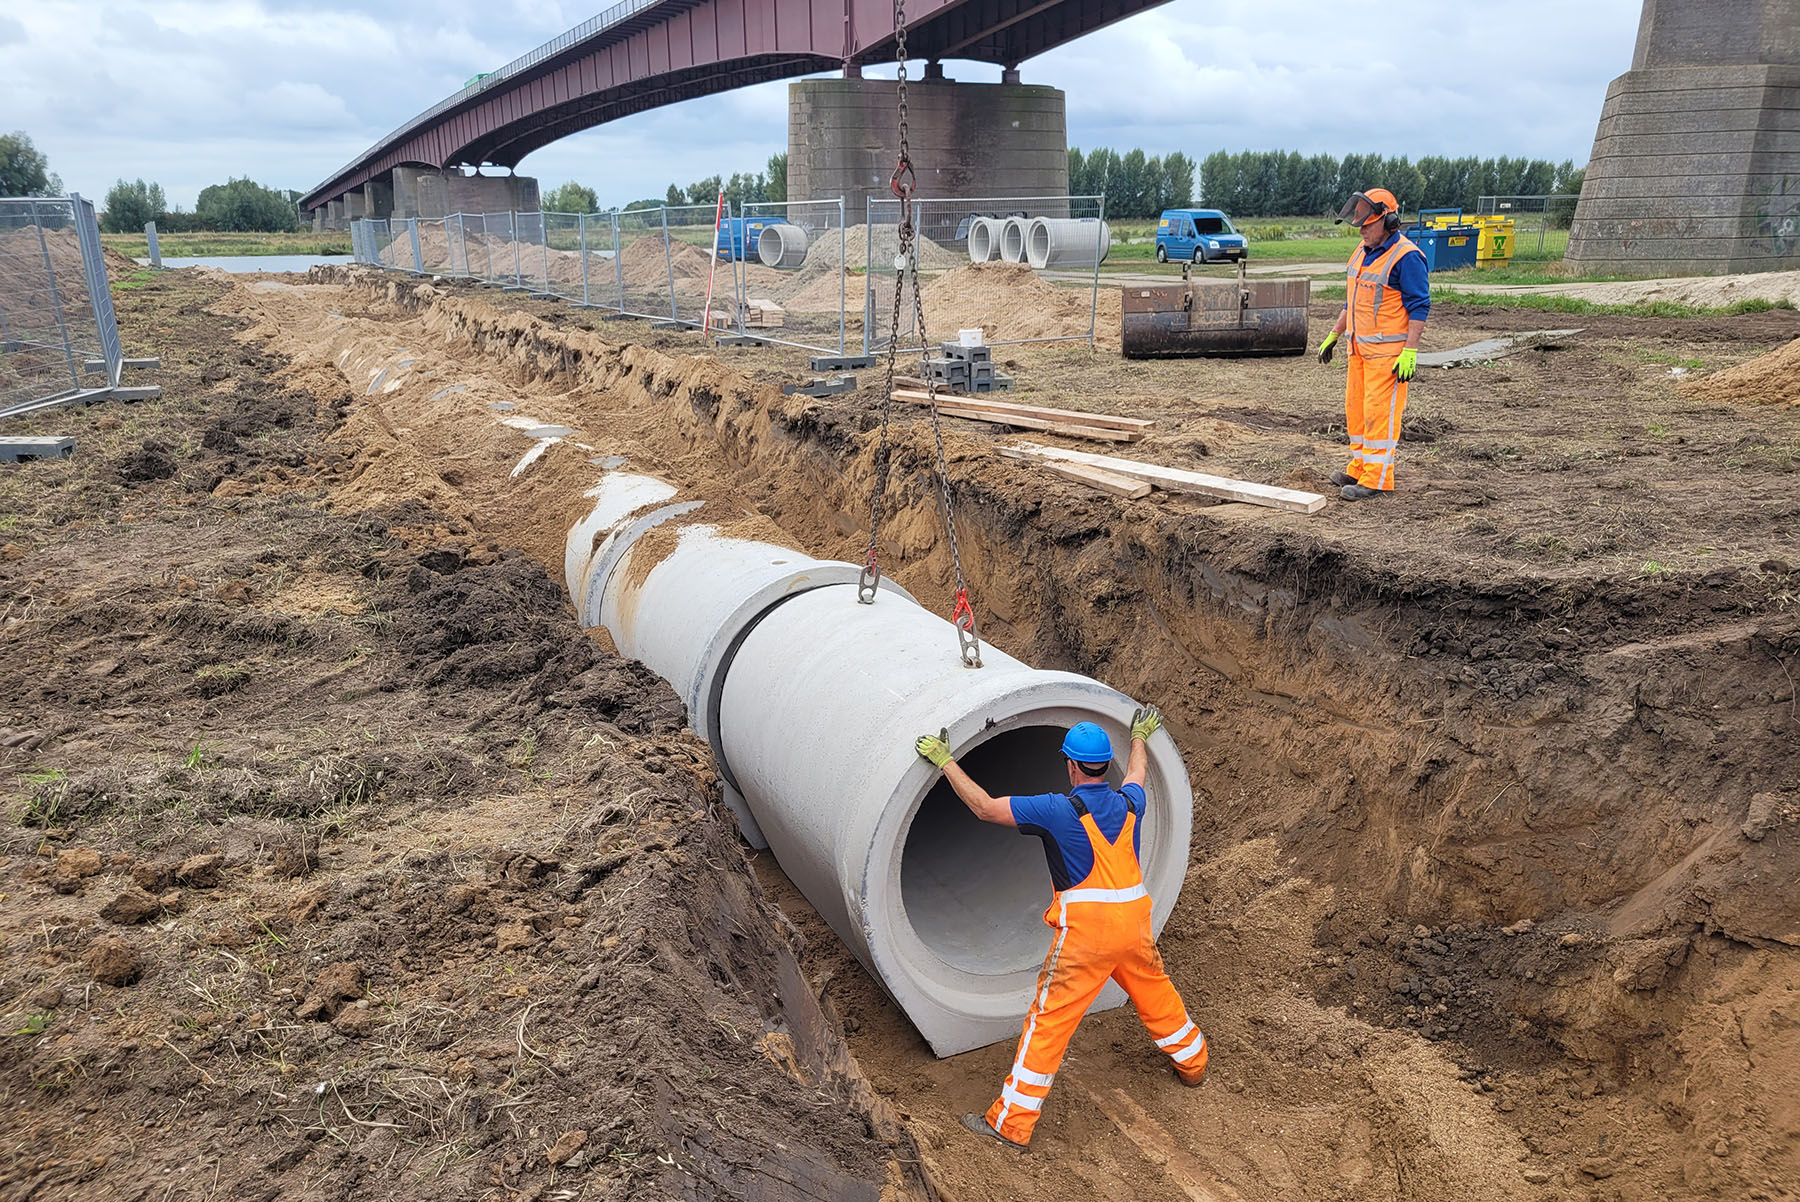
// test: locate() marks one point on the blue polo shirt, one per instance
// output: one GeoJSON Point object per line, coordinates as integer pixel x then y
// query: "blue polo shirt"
{"type": "Point", "coordinates": [1052, 818]}
{"type": "Point", "coordinates": [1409, 276]}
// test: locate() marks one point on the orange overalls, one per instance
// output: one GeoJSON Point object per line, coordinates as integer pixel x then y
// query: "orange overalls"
{"type": "Point", "coordinates": [1373, 398]}
{"type": "Point", "coordinates": [1102, 927]}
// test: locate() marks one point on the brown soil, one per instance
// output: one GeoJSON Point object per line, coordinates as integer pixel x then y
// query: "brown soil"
{"type": "Point", "coordinates": [345, 865]}
{"type": "Point", "coordinates": [1011, 301]}
{"type": "Point", "coordinates": [1771, 379]}
{"type": "Point", "coordinates": [1491, 885]}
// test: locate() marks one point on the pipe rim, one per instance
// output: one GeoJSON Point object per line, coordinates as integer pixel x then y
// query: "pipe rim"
{"type": "Point", "coordinates": [613, 548]}
{"type": "Point", "coordinates": [896, 948]}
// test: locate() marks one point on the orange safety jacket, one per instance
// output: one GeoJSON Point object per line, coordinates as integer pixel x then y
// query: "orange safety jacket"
{"type": "Point", "coordinates": [1377, 315]}
{"type": "Point", "coordinates": [1109, 905]}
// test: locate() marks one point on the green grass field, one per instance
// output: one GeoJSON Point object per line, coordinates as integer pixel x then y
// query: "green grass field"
{"type": "Point", "coordinates": [201, 245]}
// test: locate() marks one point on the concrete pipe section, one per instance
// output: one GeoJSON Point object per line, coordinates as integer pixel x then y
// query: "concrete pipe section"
{"type": "Point", "coordinates": [782, 246]}
{"type": "Point", "coordinates": [1012, 239]}
{"type": "Point", "coordinates": [1066, 242]}
{"type": "Point", "coordinates": [811, 703]}
{"type": "Point", "coordinates": [984, 239]}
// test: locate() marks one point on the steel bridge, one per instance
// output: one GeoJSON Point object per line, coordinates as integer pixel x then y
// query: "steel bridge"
{"type": "Point", "coordinates": [642, 54]}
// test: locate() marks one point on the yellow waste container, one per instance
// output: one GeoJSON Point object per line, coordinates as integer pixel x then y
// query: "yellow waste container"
{"type": "Point", "coordinates": [1495, 244]}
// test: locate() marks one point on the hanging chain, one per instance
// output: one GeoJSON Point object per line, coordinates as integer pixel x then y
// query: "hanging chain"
{"type": "Point", "coordinates": [906, 269]}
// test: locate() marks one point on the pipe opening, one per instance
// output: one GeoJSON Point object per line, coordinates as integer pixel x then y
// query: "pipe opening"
{"type": "Point", "coordinates": [973, 891]}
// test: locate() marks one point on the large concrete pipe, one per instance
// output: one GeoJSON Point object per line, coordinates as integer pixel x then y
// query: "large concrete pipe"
{"type": "Point", "coordinates": [811, 703]}
{"type": "Point", "coordinates": [782, 246]}
{"type": "Point", "coordinates": [984, 239]}
{"type": "Point", "coordinates": [1066, 242]}
{"type": "Point", "coordinates": [1012, 239]}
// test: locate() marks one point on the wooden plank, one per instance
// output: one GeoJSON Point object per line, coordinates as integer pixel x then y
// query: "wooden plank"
{"type": "Point", "coordinates": [1176, 480]}
{"type": "Point", "coordinates": [1093, 433]}
{"type": "Point", "coordinates": [984, 401]}
{"type": "Point", "coordinates": [1107, 482]}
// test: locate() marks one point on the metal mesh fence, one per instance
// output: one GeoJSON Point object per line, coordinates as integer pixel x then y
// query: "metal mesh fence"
{"type": "Point", "coordinates": [58, 335]}
{"type": "Point", "coordinates": [1540, 223]}
{"type": "Point", "coordinates": [1036, 263]}
{"type": "Point", "coordinates": [790, 264]}
{"type": "Point", "coordinates": [656, 263]}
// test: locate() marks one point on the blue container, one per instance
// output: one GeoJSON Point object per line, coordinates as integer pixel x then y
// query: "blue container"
{"type": "Point", "coordinates": [1446, 247]}
{"type": "Point", "coordinates": [737, 236]}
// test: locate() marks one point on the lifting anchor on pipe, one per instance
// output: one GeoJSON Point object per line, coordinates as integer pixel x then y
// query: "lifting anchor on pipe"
{"type": "Point", "coordinates": [904, 184]}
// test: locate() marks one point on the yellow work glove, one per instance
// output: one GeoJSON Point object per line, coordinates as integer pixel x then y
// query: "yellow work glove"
{"type": "Point", "coordinates": [1406, 365]}
{"type": "Point", "coordinates": [1146, 722]}
{"type": "Point", "coordinates": [935, 748]}
{"type": "Point", "coordinates": [1325, 347]}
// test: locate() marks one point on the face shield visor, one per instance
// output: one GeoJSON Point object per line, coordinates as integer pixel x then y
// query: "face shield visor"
{"type": "Point", "coordinates": [1359, 210]}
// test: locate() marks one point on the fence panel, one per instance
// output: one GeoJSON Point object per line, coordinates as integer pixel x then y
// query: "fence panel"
{"type": "Point", "coordinates": [1053, 297]}
{"type": "Point", "coordinates": [58, 334]}
{"type": "Point", "coordinates": [644, 260]}
{"type": "Point", "coordinates": [532, 253]}
{"type": "Point", "coordinates": [1540, 223]}
{"type": "Point", "coordinates": [792, 283]}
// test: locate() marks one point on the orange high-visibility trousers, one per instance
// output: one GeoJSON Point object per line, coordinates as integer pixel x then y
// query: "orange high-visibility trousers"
{"type": "Point", "coordinates": [1373, 404]}
{"type": "Point", "coordinates": [1102, 932]}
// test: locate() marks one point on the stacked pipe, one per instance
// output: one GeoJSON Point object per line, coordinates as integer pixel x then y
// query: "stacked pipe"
{"type": "Point", "coordinates": [1012, 239]}
{"type": "Point", "coordinates": [1066, 242]}
{"type": "Point", "coordinates": [782, 246]}
{"type": "Point", "coordinates": [810, 702]}
{"type": "Point", "coordinates": [984, 239]}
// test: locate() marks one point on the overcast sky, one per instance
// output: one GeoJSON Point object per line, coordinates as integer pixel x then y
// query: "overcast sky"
{"type": "Point", "coordinates": [190, 92]}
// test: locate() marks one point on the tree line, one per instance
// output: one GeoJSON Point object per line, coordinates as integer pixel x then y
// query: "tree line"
{"type": "Point", "coordinates": [1277, 183]}
{"type": "Point", "coordinates": [238, 205]}
{"type": "Point", "coordinates": [761, 187]}
{"type": "Point", "coordinates": [1134, 185]}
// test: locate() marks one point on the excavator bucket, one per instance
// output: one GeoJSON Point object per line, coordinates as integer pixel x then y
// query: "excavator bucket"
{"type": "Point", "coordinates": [1214, 317]}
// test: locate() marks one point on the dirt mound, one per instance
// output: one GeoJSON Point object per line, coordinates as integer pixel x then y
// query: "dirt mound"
{"type": "Point", "coordinates": [644, 262]}
{"type": "Point", "coordinates": [1709, 292]}
{"type": "Point", "coordinates": [1773, 379]}
{"type": "Point", "coordinates": [932, 255]}
{"type": "Point", "coordinates": [1009, 301]}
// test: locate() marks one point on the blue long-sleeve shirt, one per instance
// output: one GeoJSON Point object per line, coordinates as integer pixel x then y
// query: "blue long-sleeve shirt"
{"type": "Point", "coordinates": [1409, 276]}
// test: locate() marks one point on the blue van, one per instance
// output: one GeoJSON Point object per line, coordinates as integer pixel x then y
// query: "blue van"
{"type": "Point", "coordinates": [1203, 235]}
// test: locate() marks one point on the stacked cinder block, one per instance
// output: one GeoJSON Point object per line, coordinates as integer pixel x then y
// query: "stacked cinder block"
{"type": "Point", "coordinates": [966, 369]}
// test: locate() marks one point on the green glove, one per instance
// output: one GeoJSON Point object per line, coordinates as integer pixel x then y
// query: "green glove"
{"type": "Point", "coordinates": [1407, 364]}
{"type": "Point", "coordinates": [1325, 347]}
{"type": "Point", "coordinates": [935, 748]}
{"type": "Point", "coordinates": [1146, 722]}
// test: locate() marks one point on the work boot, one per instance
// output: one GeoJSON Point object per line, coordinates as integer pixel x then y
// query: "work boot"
{"type": "Point", "coordinates": [1342, 478]}
{"type": "Point", "coordinates": [1193, 1074]}
{"type": "Point", "coordinates": [980, 1126]}
{"type": "Point", "coordinates": [1356, 492]}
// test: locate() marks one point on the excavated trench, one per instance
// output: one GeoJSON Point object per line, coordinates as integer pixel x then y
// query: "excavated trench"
{"type": "Point", "coordinates": [1549, 815]}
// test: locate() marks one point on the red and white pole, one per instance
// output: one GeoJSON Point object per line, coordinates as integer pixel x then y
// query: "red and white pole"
{"type": "Point", "coordinates": [718, 224]}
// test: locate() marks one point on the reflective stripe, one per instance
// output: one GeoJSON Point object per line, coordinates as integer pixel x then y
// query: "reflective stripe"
{"type": "Point", "coordinates": [1381, 444]}
{"type": "Point", "coordinates": [1188, 1053]}
{"type": "Point", "coordinates": [1023, 1101]}
{"type": "Point", "coordinates": [1104, 895]}
{"type": "Point", "coordinates": [1378, 457]}
{"type": "Point", "coordinates": [1381, 337]}
{"type": "Point", "coordinates": [1180, 1035]}
{"type": "Point", "coordinates": [1025, 1076]}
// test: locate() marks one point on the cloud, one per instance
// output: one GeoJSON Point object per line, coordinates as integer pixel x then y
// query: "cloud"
{"type": "Point", "coordinates": [189, 92]}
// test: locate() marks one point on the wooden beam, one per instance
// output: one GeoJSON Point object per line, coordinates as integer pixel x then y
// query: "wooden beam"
{"type": "Point", "coordinates": [1092, 433]}
{"type": "Point", "coordinates": [1107, 482]}
{"type": "Point", "coordinates": [1176, 480]}
{"type": "Point", "coordinates": [983, 401]}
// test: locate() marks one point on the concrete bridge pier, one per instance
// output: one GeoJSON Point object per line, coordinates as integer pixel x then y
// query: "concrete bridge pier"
{"type": "Point", "coordinates": [968, 139]}
{"type": "Point", "coordinates": [425, 192]}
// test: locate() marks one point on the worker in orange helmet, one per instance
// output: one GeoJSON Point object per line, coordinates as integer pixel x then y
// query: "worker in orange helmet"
{"type": "Point", "coordinates": [1387, 300]}
{"type": "Point", "coordinates": [1100, 913]}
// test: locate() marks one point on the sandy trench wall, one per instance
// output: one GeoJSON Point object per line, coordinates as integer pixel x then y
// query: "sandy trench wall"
{"type": "Point", "coordinates": [1476, 750]}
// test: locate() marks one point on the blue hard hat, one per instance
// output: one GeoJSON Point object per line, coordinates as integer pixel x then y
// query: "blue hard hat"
{"type": "Point", "coordinates": [1086, 743]}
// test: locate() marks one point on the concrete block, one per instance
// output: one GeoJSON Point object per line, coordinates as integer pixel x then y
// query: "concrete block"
{"type": "Point", "coordinates": [823, 386]}
{"type": "Point", "coordinates": [21, 450]}
{"type": "Point", "coordinates": [840, 362]}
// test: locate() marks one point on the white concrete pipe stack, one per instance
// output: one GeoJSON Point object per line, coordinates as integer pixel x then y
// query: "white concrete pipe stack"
{"type": "Point", "coordinates": [811, 703]}
{"type": "Point", "coordinates": [984, 239]}
{"type": "Point", "coordinates": [782, 246]}
{"type": "Point", "coordinates": [1066, 241]}
{"type": "Point", "coordinates": [1012, 239]}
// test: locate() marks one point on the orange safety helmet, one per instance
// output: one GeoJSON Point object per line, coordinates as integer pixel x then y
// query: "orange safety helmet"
{"type": "Point", "coordinates": [1364, 207]}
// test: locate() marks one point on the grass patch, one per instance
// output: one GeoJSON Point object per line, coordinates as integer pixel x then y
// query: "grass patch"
{"type": "Point", "coordinates": [202, 245]}
{"type": "Point", "coordinates": [1583, 308]}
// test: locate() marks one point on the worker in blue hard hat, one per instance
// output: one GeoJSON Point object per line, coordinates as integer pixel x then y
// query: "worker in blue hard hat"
{"type": "Point", "coordinates": [1100, 913]}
